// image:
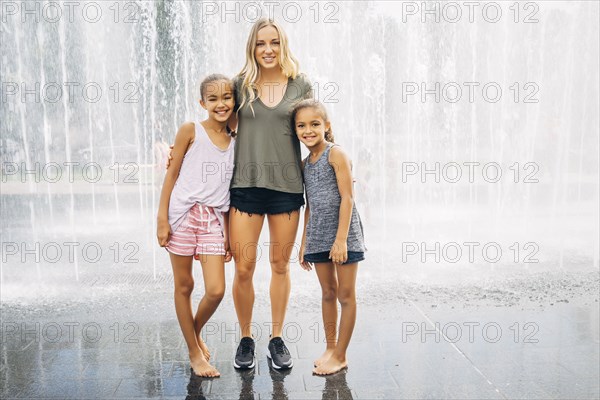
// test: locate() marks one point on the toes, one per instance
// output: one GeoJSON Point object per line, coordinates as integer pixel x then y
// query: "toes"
{"type": "Point", "coordinates": [211, 373]}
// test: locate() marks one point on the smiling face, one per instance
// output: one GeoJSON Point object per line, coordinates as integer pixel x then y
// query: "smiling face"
{"type": "Point", "coordinates": [218, 100]}
{"type": "Point", "coordinates": [268, 46]}
{"type": "Point", "coordinates": [310, 127]}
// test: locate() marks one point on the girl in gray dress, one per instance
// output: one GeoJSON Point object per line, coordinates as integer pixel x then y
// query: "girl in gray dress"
{"type": "Point", "coordinates": [333, 237]}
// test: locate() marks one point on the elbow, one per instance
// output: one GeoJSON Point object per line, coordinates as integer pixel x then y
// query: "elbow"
{"type": "Point", "coordinates": [347, 199]}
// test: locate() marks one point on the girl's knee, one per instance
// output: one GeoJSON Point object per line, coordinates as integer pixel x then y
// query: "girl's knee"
{"type": "Point", "coordinates": [215, 294]}
{"type": "Point", "coordinates": [185, 287]}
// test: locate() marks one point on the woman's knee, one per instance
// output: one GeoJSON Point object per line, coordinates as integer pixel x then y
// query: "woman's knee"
{"type": "Point", "coordinates": [244, 271]}
{"type": "Point", "coordinates": [346, 296]}
{"type": "Point", "coordinates": [329, 293]}
{"type": "Point", "coordinates": [280, 266]}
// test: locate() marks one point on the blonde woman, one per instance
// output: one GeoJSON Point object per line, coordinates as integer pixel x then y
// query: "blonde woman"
{"type": "Point", "coordinates": [267, 180]}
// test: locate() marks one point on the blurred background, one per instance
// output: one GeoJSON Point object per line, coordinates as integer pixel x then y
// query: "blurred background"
{"type": "Point", "coordinates": [473, 132]}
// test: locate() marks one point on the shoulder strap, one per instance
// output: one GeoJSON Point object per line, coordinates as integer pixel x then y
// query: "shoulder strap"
{"type": "Point", "coordinates": [306, 159]}
{"type": "Point", "coordinates": [328, 151]}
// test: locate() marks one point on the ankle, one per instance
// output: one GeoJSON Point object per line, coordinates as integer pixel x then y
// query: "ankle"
{"type": "Point", "coordinates": [339, 357]}
{"type": "Point", "coordinates": [196, 354]}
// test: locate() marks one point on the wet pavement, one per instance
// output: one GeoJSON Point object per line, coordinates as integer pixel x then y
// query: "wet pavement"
{"type": "Point", "coordinates": [104, 326]}
{"type": "Point", "coordinates": [123, 341]}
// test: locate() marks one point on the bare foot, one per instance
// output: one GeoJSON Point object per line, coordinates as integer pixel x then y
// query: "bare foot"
{"type": "Point", "coordinates": [324, 357]}
{"type": "Point", "coordinates": [201, 367]}
{"type": "Point", "coordinates": [204, 349]}
{"type": "Point", "coordinates": [330, 366]}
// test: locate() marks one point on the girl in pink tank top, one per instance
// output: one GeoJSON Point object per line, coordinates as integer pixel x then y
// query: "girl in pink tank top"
{"type": "Point", "coordinates": [193, 211]}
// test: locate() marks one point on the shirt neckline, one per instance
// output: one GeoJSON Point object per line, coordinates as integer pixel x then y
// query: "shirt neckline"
{"type": "Point", "coordinates": [280, 101]}
{"type": "Point", "coordinates": [329, 145]}
{"type": "Point", "coordinates": [213, 143]}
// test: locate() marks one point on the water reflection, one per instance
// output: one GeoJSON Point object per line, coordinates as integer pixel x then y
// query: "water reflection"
{"type": "Point", "coordinates": [278, 377]}
{"type": "Point", "coordinates": [336, 387]}
{"type": "Point", "coordinates": [247, 391]}
{"type": "Point", "coordinates": [197, 386]}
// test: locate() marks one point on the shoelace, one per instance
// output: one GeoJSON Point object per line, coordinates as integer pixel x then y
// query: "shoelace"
{"type": "Point", "coordinates": [246, 348]}
{"type": "Point", "coordinates": [280, 347]}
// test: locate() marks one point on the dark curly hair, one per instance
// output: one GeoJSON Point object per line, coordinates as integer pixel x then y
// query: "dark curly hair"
{"type": "Point", "coordinates": [317, 105]}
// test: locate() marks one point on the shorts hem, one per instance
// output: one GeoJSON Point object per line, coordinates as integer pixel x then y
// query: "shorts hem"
{"type": "Point", "coordinates": [282, 190]}
{"type": "Point", "coordinates": [178, 254]}
{"type": "Point", "coordinates": [270, 212]}
{"type": "Point", "coordinates": [263, 201]}
{"type": "Point", "coordinates": [323, 257]}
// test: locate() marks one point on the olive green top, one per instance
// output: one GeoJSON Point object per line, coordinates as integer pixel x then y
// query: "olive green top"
{"type": "Point", "coordinates": [267, 151]}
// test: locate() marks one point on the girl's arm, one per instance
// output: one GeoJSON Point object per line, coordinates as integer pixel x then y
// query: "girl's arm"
{"type": "Point", "coordinates": [185, 136]}
{"type": "Point", "coordinates": [226, 233]}
{"type": "Point", "coordinates": [340, 163]}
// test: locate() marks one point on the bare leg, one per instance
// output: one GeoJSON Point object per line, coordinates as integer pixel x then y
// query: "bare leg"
{"type": "Point", "coordinates": [282, 232]}
{"type": "Point", "coordinates": [347, 297]}
{"type": "Point", "coordinates": [329, 285]}
{"type": "Point", "coordinates": [213, 272]}
{"type": "Point", "coordinates": [244, 231]}
{"type": "Point", "coordinates": [184, 285]}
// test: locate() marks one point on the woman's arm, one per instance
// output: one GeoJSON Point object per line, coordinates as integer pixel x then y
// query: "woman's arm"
{"type": "Point", "coordinates": [308, 91]}
{"type": "Point", "coordinates": [185, 136]}
{"type": "Point", "coordinates": [232, 122]}
{"type": "Point", "coordinates": [303, 264]}
{"type": "Point", "coordinates": [340, 163]}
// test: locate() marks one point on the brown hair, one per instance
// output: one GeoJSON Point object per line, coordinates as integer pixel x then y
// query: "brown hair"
{"type": "Point", "coordinates": [214, 78]}
{"type": "Point", "coordinates": [320, 108]}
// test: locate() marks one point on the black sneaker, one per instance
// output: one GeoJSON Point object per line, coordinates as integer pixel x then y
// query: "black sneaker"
{"type": "Point", "coordinates": [244, 357]}
{"type": "Point", "coordinates": [279, 354]}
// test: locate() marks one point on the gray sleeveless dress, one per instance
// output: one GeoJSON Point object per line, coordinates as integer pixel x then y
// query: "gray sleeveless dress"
{"type": "Point", "coordinates": [324, 201]}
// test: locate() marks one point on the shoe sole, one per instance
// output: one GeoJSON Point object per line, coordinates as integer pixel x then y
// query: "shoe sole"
{"type": "Point", "coordinates": [278, 367]}
{"type": "Point", "coordinates": [236, 366]}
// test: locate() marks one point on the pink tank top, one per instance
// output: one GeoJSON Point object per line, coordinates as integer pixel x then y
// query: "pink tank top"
{"type": "Point", "coordinates": [204, 178]}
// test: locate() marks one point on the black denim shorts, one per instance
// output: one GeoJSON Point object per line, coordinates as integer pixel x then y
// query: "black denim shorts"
{"type": "Point", "coordinates": [323, 257]}
{"type": "Point", "coordinates": [265, 201]}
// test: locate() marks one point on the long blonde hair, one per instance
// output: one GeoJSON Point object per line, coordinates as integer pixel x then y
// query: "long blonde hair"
{"type": "Point", "coordinates": [288, 63]}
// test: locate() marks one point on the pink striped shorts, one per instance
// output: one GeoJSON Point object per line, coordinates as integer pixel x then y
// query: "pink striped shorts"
{"type": "Point", "coordinates": [200, 232]}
